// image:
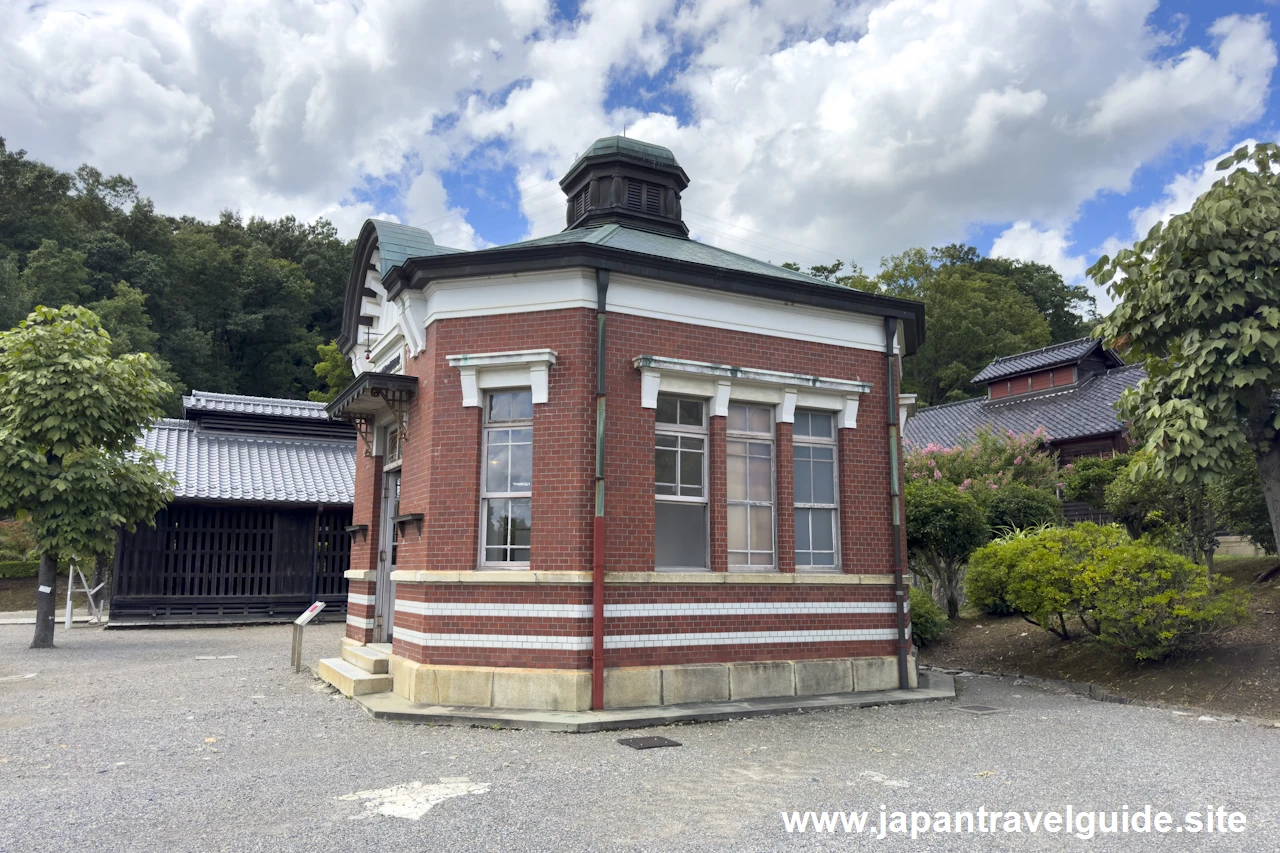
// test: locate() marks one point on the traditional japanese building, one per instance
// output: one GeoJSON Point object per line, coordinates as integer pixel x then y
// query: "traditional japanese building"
{"type": "Point", "coordinates": [257, 529]}
{"type": "Point", "coordinates": [617, 467]}
{"type": "Point", "coordinates": [1069, 390]}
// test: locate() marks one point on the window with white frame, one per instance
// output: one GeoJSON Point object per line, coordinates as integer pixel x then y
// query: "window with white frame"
{"type": "Point", "coordinates": [506, 489]}
{"type": "Point", "coordinates": [680, 483]}
{"type": "Point", "coordinates": [749, 458]}
{"type": "Point", "coordinates": [814, 455]}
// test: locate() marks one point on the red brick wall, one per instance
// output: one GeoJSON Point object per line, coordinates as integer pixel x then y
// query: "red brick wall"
{"type": "Point", "coordinates": [366, 510]}
{"type": "Point", "coordinates": [864, 457]}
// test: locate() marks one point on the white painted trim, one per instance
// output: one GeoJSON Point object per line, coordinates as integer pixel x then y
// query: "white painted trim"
{"type": "Point", "coordinates": [365, 624]}
{"type": "Point", "coordinates": [552, 290]}
{"type": "Point", "coordinates": [516, 369]}
{"type": "Point", "coordinates": [659, 374]}
{"type": "Point", "coordinates": [357, 598]}
{"type": "Point", "coordinates": [459, 608]}
{"type": "Point", "coordinates": [720, 404]}
{"type": "Point", "coordinates": [637, 641]}
{"type": "Point", "coordinates": [494, 641]}
{"type": "Point", "coordinates": [849, 414]}
{"type": "Point", "coordinates": [727, 638]}
{"type": "Point", "coordinates": [622, 611]}
{"type": "Point", "coordinates": [746, 608]}
{"type": "Point", "coordinates": [906, 408]}
{"type": "Point", "coordinates": [787, 411]}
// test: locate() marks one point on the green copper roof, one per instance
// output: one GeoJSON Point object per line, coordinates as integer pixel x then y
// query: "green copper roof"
{"type": "Point", "coordinates": [667, 246]}
{"type": "Point", "coordinates": [398, 242]}
{"type": "Point", "coordinates": [633, 147]}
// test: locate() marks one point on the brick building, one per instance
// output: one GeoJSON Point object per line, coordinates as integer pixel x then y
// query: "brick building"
{"type": "Point", "coordinates": [616, 467]}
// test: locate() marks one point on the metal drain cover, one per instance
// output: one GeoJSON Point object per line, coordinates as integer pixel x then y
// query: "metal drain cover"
{"type": "Point", "coordinates": [978, 710]}
{"type": "Point", "coordinates": [650, 742]}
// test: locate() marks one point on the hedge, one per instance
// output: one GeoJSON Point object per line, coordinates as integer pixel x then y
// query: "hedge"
{"type": "Point", "coordinates": [19, 568]}
{"type": "Point", "coordinates": [24, 569]}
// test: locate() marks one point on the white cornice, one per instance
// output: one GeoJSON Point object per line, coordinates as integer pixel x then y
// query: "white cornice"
{"type": "Point", "coordinates": [722, 383]}
{"type": "Point", "coordinates": [516, 369]}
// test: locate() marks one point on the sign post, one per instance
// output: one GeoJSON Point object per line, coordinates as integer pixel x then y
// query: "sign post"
{"type": "Point", "coordinates": [298, 624]}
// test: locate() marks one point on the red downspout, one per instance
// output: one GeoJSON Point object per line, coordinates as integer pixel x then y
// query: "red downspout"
{"type": "Point", "coordinates": [895, 501]}
{"type": "Point", "coordinates": [597, 544]}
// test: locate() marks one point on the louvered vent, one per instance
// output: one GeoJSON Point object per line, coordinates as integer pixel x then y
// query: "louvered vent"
{"type": "Point", "coordinates": [652, 199]}
{"type": "Point", "coordinates": [635, 193]}
{"type": "Point", "coordinates": [580, 204]}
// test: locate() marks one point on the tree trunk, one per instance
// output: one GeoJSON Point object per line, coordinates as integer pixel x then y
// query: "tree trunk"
{"type": "Point", "coordinates": [99, 576]}
{"type": "Point", "coordinates": [45, 599]}
{"type": "Point", "coordinates": [1269, 469]}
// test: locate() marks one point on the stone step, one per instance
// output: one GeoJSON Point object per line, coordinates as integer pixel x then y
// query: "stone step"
{"type": "Point", "coordinates": [385, 648]}
{"type": "Point", "coordinates": [370, 660]}
{"type": "Point", "coordinates": [350, 679]}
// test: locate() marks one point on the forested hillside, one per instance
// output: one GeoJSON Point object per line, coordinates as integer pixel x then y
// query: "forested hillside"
{"type": "Point", "coordinates": [242, 306]}
{"type": "Point", "coordinates": [229, 306]}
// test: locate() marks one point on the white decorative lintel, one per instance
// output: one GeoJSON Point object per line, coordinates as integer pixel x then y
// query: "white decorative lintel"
{"type": "Point", "coordinates": [906, 408]}
{"type": "Point", "coordinates": [516, 369]}
{"type": "Point", "coordinates": [721, 382]}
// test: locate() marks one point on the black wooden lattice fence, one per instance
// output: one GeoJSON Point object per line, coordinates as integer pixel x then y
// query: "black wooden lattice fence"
{"type": "Point", "coordinates": [223, 562]}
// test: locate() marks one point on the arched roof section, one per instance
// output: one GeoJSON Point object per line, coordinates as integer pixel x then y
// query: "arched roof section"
{"type": "Point", "coordinates": [393, 244]}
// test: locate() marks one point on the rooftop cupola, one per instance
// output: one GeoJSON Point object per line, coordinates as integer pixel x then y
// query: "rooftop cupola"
{"type": "Point", "coordinates": [628, 182]}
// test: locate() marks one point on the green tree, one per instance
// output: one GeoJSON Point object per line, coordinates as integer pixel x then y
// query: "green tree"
{"type": "Point", "coordinates": [55, 276]}
{"type": "Point", "coordinates": [70, 418]}
{"type": "Point", "coordinates": [1199, 301]}
{"type": "Point", "coordinates": [334, 370]}
{"type": "Point", "coordinates": [944, 526]}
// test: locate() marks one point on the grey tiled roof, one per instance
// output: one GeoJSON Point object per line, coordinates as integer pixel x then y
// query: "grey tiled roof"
{"type": "Point", "coordinates": [213, 465]}
{"type": "Point", "coordinates": [667, 246]}
{"type": "Point", "coordinates": [209, 401]}
{"type": "Point", "coordinates": [397, 242]}
{"type": "Point", "coordinates": [1050, 356]}
{"type": "Point", "coordinates": [1075, 412]}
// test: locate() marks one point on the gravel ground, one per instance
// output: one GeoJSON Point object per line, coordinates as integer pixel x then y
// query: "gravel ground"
{"type": "Point", "coordinates": [124, 740]}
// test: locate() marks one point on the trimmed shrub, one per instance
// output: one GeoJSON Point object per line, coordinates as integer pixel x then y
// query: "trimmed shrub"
{"type": "Point", "coordinates": [1151, 603]}
{"type": "Point", "coordinates": [944, 526]}
{"type": "Point", "coordinates": [928, 622]}
{"type": "Point", "coordinates": [986, 583]}
{"type": "Point", "coordinates": [1018, 507]}
{"type": "Point", "coordinates": [1038, 576]}
{"type": "Point", "coordinates": [19, 568]}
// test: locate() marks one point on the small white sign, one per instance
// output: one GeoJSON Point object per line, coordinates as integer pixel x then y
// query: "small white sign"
{"type": "Point", "coordinates": [44, 588]}
{"type": "Point", "coordinates": [309, 613]}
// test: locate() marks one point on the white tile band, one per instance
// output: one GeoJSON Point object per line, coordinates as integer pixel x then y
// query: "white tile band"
{"type": "Point", "coordinates": [359, 623]}
{"type": "Point", "coordinates": [727, 638]}
{"type": "Point", "coordinates": [635, 641]}
{"type": "Point", "coordinates": [356, 598]}
{"type": "Point", "coordinates": [618, 611]}
{"type": "Point", "coordinates": [752, 608]}
{"type": "Point", "coordinates": [493, 641]}
{"type": "Point", "coordinates": [540, 611]}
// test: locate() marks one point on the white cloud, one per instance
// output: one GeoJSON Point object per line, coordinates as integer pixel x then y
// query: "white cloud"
{"type": "Point", "coordinates": [855, 128]}
{"type": "Point", "coordinates": [1049, 246]}
{"type": "Point", "coordinates": [1180, 193]}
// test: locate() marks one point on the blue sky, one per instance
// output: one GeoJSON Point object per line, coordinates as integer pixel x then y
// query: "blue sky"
{"type": "Point", "coordinates": [811, 129]}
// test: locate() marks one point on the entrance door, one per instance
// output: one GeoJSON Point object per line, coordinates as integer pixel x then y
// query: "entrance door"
{"type": "Point", "coordinates": [389, 540]}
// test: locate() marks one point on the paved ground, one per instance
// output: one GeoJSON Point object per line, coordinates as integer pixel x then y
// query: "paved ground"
{"type": "Point", "coordinates": [125, 741]}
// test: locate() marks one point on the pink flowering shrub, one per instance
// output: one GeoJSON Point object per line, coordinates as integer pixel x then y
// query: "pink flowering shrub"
{"type": "Point", "coordinates": [988, 462]}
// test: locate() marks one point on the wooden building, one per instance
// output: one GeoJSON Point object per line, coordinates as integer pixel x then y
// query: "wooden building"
{"type": "Point", "coordinates": [257, 529]}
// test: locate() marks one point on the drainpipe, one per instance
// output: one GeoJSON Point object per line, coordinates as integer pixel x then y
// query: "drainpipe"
{"type": "Point", "coordinates": [597, 536]}
{"type": "Point", "coordinates": [895, 500]}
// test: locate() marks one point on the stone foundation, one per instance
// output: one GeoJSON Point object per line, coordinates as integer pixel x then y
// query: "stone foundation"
{"type": "Point", "coordinates": [640, 686]}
